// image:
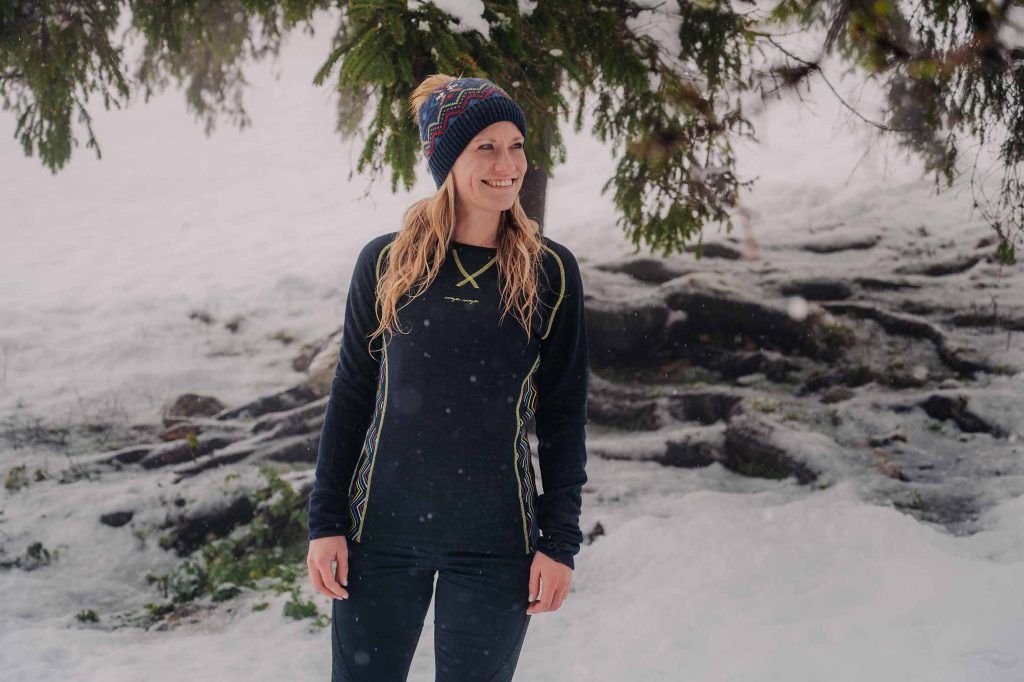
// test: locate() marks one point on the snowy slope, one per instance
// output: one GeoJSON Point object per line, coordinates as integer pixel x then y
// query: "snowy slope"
{"type": "Point", "coordinates": [703, 574]}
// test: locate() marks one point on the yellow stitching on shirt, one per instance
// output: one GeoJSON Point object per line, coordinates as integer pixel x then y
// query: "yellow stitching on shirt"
{"type": "Point", "coordinates": [561, 293]}
{"type": "Point", "coordinates": [380, 257]}
{"type": "Point", "coordinates": [468, 277]}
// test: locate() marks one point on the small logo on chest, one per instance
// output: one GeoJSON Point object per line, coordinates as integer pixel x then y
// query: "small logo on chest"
{"type": "Point", "coordinates": [456, 299]}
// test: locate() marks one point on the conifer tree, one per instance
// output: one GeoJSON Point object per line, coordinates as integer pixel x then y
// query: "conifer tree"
{"type": "Point", "coordinates": [669, 106]}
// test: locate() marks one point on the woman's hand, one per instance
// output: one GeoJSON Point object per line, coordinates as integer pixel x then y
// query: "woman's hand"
{"type": "Point", "coordinates": [555, 577]}
{"type": "Point", "coordinates": [322, 552]}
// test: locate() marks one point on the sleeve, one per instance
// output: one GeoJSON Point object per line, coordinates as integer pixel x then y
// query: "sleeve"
{"type": "Point", "coordinates": [350, 405]}
{"type": "Point", "coordinates": [561, 414]}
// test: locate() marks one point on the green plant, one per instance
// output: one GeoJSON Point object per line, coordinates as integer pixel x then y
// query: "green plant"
{"type": "Point", "coordinates": [16, 478]}
{"type": "Point", "coordinates": [225, 591]}
{"type": "Point", "coordinates": [298, 609]}
{"type": "Point", "coordinates": [268, 554]}
{"type": "Point", "coordinates": [158, 611]}
{"type": "Point", "coordinates": [39, 555]}
{"type": "Point", "coordinates": [87, 616]}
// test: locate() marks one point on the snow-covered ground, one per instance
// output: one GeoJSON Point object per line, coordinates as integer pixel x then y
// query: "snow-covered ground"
{"type": "Point", "coordinates": [703, 574]}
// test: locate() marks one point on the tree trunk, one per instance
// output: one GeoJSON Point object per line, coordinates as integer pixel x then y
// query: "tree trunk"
{"type": "Point", "coordinates": [533, 196]}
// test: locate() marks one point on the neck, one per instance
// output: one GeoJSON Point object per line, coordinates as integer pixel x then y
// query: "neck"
{"type": "Point", "coordinates": [476, 227]}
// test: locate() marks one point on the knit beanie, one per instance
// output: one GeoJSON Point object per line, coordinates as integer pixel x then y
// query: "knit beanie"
{"type": "Point", "coordinates": [453, 115]}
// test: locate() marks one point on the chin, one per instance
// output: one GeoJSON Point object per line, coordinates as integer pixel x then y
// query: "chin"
{"type": "Point", "coordinates": [501, 205]}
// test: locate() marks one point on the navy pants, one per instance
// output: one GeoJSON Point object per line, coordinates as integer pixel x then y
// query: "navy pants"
{"type": "Point", "coordinates": [480, 617]}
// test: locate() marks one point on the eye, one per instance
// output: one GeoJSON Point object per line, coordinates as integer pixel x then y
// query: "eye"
{"type": "Point", "coordinates": [488, 145]}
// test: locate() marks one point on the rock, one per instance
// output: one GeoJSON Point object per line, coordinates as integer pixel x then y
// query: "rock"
{"type": "Point", "coordinates": [852, 377]}
{"type": "Point", "coordinates": [622, 407]}
{"type": "Point", "coordinates": [892, 470]}
{"type": "Point", "coordinates": [879, 284]}
{"type": "Point", "coordinates": [179, 452]}
{"type": "Point", "coordinates": [191, 405]}
{"type": "Point", "coordinates": [837, 394]}
{"type": "Point", "coordinates": [323, 366]}
{"type": "Point", "coordinates": [624, 333]}
{"type": "Point", "coordinates": [299, 420]}
{"type": "Point", "coordinates": [295, 449]}
{"type": "Point", "coordinates": [277, 402]}
{"type": "Point", "coordinates": [886, 439]}
{"type": "Point", "coordinates": [235, 452]}
{"type": "Point", "coordinates": [987, 319]}
{"type": "Point", "coordinates": [703, 406]}
{"type": "Point", "coordinates": [954, 408]}
{"type": "Point", "coordinates": [308, 351]}
{"type": "Point", "coordinates": [749, 450]}
{"type": "Point", "coordinates": [817, 289]}
{"type": "Point", "coordinates": [645, 269]}
{"type": "Point", "coordinates": [729, 320]}
{"type": "Point", "coordinates": [962, 360]}
{"type": "Point", "coordinates": [690, 454]}
{"type": "Point", "coordinates": [842, 243]}
{"type": "Point", "coordinates": [190, 532]}
{"type": "Point", "coordinates": [716, 250]}
{"type": "Point", "coordinates": [116, 519]}
{"type": "Point", "coordinates": [128, 455]}
{"type": "Point", "coordinates": [940, 268]}
{"type": "Point", "coordinates": [986, 241]}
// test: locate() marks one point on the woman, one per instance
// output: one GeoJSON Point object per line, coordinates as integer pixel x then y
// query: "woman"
{"type": "Point", "coordinates": [424, 465]}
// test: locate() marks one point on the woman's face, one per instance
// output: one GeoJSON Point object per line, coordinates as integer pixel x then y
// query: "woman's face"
{"type": "Point", "coordinates": [495, 154]}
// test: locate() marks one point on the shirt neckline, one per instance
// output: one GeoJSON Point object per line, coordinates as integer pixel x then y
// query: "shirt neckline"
{"type": "Point", "coordinates": [482, 249]}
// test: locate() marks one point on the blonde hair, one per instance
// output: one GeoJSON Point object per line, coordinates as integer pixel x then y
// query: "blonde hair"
{"type": "Point", "coordinates": [417, 252]}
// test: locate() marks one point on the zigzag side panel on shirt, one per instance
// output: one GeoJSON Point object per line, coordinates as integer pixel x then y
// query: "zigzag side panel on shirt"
{"type": "Point", "coordinates": [523, 465]}
{"type": "Point", "coordinates": [359, 492]}
{"type": "Point", "coordinates": [449, 108]}
{"type": "Point", "coordinates": [359, 486]}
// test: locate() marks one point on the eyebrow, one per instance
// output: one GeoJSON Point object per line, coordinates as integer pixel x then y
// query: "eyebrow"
{"type": "Point", "coordinates": [491, 139]}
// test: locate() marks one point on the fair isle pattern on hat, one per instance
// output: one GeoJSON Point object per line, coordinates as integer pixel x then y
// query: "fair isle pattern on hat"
{"type": "Point", "coordinates": [454, 113]}
{"type": "Point", "coordinates": [452, 101]}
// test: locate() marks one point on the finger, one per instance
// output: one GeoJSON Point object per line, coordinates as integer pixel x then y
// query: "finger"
{"type": "Point", "coordinates": [342, 575]}
{"type": "Point", "coordinates": [534, 582]}
{"type": "Point", "coordinates": [536, 607]}
{"type": "Point", "coordinates": [547, 597]}
{"type": "Point", "coordinates": [536, 586]}
{"type": "Point", "coordinates": [317, 581]}
{"type": "Point", "coordinates": [331, 583]}
{"type": "Point", "coordinates": [543, 602]}
{"type": "Point", "coordinates": [559, 597]}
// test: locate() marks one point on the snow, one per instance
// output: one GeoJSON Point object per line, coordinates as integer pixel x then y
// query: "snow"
{"type": "Point", "coordinates": [469, 14]}
{"type": "Point", "coordinates": [702, 574]}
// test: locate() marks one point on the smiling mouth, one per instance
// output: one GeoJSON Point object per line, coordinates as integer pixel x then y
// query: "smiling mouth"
{"type": "Point", "coordinates": [509, 186]}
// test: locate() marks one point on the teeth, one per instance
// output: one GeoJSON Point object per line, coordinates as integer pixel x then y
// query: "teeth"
{"type": "Point", "coordinates": [499, 183]}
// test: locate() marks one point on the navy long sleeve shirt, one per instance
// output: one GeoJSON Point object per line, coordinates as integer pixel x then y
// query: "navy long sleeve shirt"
{"type": "Point", "coordinates": [424, 439]}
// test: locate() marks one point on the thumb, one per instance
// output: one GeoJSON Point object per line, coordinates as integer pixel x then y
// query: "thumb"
{"type": "Point", "coordinates": [534, 581]}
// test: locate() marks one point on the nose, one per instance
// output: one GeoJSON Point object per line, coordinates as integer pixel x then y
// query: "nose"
{"type": "Point", "coordinates": [505, 162]}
